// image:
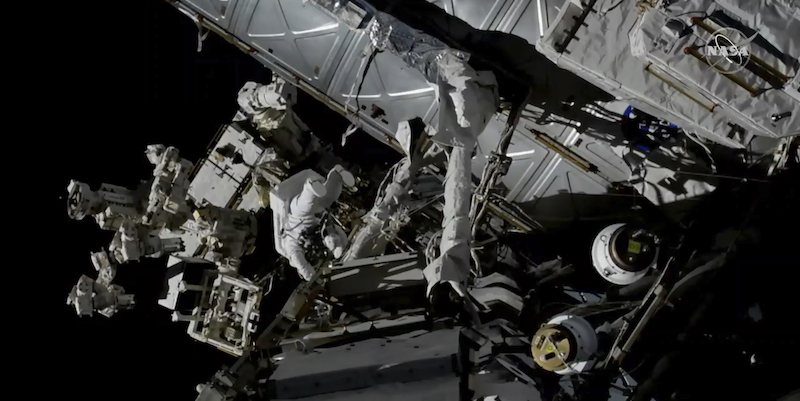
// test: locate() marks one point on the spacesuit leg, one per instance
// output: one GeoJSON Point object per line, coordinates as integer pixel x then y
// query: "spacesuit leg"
{"type": "Point", "coordinates": [338, 177]}
{"type": "Point", "coordinates": [297, 258]}
{"type": "Point", "coordinates": [333, 188]}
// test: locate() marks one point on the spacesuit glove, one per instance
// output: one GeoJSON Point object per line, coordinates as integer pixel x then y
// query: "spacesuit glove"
{"type": "Point", "coordinates": [306, 273]}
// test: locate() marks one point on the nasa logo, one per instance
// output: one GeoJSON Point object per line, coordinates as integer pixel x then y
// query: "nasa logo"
{"type": "Point", "coordinates": [728, 50]}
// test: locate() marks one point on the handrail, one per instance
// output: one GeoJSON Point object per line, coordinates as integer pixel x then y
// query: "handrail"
{"type": "Point", "coordinates": [208, 151]}
{"type": "Point", "coordinates": [679, 89]}
{"type": "Point", "coordinates": [734, 78]}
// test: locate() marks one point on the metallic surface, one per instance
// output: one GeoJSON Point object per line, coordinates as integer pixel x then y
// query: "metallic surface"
{"type": "Point", "coordinates": [772, 70]}
{"type": "Point", "coordinates": [675, 86]}
{"type": "Point", "coordinates": [524, 18]}
{"type": "Point", "coordinates": [731, 76]}
{"type": "Point", "coordinates": [618, 41]}
{"type": "Point", "coordinates": [311, 48]}
{"type": "Point", "coordinates": [553, 347]}
{"type": "Point", "coordinates": [321, 55]}
{"type": "Point", "coordinates": [375, 274]}
{"type": "Point", "coordinates": [604, 261]}
{"type": "Point", "coordinates": [367, 363]}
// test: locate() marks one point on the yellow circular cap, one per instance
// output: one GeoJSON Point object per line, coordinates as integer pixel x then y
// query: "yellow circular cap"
{"type": "Point", "coordinates": [551, 348]}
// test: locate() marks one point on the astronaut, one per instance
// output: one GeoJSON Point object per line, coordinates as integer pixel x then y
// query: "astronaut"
{"type": "Point", "coordinates": [303, 219]}
{"type": "Point", "coordinates": [255, 98]}
{"type": "Point", "coordinates": [269, 107]}
{"type": "Point", "coordinates": [89, 296]}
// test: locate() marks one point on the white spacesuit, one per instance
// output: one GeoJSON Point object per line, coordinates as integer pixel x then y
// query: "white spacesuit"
{"type": "Point", "coordinates": [467, 101]}
{"type": "Point", "coordinates": [269, 107]}
{"type": "Point", "coordinates": [255, 98]}
{"type": "Point", "coordinates": [298, 206]}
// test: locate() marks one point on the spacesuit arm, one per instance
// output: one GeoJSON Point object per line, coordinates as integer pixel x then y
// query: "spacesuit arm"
{"type": "Point", "coordinates": [334, 238]}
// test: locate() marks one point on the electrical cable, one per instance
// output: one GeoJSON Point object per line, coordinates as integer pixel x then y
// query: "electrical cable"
{"type": "Point", "coordinates": [374, 52]}
{"type": "Point", "coordinates": [382, 187]}
{"type": "Point", "coordinates": [691, 136]}
{"type": "Point", "coordinates": [604, 12]}
{"type": "Point", "coordinates": [361, 74]}
{"type": "Point", "coordinates": [353, 87]}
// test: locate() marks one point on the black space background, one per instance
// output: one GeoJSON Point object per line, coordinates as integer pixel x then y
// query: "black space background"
{"type": "Point", "coordinates": [127, 76]}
